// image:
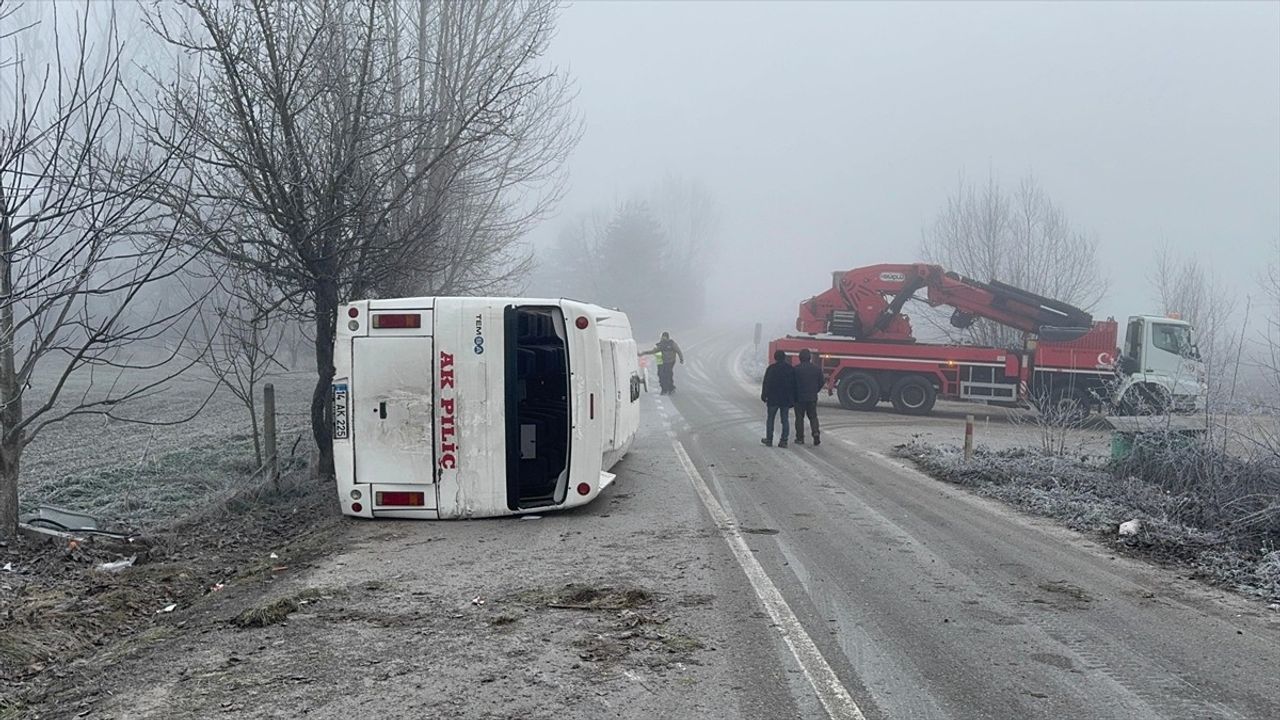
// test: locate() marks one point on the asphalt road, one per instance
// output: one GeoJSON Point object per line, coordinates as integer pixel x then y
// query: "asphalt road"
{"type": "Point", "coordinates": [926, 602]}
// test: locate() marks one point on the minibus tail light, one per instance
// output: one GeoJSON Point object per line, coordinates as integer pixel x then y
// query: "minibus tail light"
{"type": "Point", "coordinates": [400, 499]}
{"type": "Point", "coordinates": [582, 322]}
{"type": "Point", "coordinates": [397, 321]}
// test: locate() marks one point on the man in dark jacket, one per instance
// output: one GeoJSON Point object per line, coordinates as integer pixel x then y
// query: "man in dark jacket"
{"type": "Point", "coordinates": [778, 392]}
{"type": "Point", "coordinates": [668, 352]}
{"type": "Point", "coordinates": [809, 381]}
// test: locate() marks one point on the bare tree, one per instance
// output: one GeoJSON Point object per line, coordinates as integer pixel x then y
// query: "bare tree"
{"type": "Point", "coordinates": [1021, 238]}
{"type": "Point", "coordinates": [1268, 356]}
{"type": "Point", "coordinates": [690, 219]}
{"type": "Point", "coordinates": [1184, 289]}
{"type": "Point", "coordinates": [319, 169]}
{"type": "Point", "coordinates": [244, 336]}
{"type": "Point", "coordinates": [79, 243]}
{"type": "Point", "coordinates": [489, 192]}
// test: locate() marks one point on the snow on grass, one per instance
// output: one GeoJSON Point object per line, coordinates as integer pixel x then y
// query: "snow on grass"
{"type": "Point", "coordinates": [146, 474]}
{"type": "Point", "coordinates": [753, 366]}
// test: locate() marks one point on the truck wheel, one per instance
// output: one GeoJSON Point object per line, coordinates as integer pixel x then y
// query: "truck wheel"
{"type": "Point", "coordinates": [1145, 400]}
{"type": "Point", "coordinates": [1071, 405]}
{"type": "Point", "coordinates": [858, 391]}
{"type": "Point", "coordinates": [913, 395]}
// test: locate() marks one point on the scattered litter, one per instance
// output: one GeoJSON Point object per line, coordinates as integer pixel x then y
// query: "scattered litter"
{"type": "Point", "coordinates": [531, 517]}
{"type": "Point", "coordinates": [118, 565]}
{"type": "Point", "coordinates": [477, 600]}
{"type": "Point", "coordinates": [216, 587]}
{"type": "Point", "coordinates": [8, 567]}
{"type": "Point", "coordinates": [167, 608]}
{"type": "Point", "coordinates": [1274, 606]}
{"type": "Point", "coordinates": [280, 568]}
{"type": "Point", "coordinates": [1130, 527]}
{"type": "Point", "coordinates": [274, 556]}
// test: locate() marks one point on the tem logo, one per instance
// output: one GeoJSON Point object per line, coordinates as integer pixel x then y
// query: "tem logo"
{"type": "Point", "coordinates": [479, 341]}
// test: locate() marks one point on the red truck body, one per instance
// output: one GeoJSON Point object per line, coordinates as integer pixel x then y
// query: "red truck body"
{"type": "Point", "coordinates": [1078, 369]}
{"type": "Point", "coordinates": [864, 344]}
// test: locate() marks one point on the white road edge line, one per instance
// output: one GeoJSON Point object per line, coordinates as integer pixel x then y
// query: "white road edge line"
{"type": "Point", "coordinates": [835, 699]}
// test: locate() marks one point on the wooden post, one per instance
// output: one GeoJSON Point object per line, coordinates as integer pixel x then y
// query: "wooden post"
{"type": "Point", "coordinates": [968, 438]}
{"type": "Point", "coordinates": [269, 432]}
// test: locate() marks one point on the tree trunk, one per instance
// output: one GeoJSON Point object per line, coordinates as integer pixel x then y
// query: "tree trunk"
{"type": "Point", "coordinates": [10, 389]}
{"type": "Point", "coordinates": [253, 422]}
{"type": "Point", "coordinates": [326, 311]}
{"type": "Point", "coordinates": [9, 491]}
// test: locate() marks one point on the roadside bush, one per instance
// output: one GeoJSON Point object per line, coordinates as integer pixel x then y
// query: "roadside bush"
{"type": "Point", "coordinates": [1199, 508]}
{"type": "Point", "coordinates": [1214, 490]}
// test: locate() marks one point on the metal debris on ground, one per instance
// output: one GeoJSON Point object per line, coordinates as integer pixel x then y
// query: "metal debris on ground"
{"type": "Point", "coordinates": [60, 519]}
{"type": "Point", "coordinates": [167, 608]}
{"type": "Point", "coordinates": [118, 565]}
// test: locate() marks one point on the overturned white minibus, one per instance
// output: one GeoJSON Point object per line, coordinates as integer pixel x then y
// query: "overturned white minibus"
{"type": "Point", "coordinates": [452, 407]}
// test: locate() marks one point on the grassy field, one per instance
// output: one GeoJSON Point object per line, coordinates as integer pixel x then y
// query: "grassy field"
{"type": "Point", "coordinates": [144, 475]}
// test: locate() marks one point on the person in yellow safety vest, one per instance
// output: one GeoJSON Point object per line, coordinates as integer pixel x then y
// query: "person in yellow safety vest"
{"type": "Point", "coordinates": [666, 351]}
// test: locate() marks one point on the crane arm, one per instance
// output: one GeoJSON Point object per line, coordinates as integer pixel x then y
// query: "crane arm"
{"type": "Point", "coordinates": [867, 303]}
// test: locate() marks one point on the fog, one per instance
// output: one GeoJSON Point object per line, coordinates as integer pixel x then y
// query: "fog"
{"type": "Point", "coordinates": [831, 134]}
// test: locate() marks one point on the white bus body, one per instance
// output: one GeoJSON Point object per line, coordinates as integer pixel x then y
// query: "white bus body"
{"type": "Point", "coordinates": [472, 407]}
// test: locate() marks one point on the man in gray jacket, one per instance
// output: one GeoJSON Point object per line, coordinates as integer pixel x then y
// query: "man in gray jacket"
{"type": "Point", "coordinates": [809, 382]}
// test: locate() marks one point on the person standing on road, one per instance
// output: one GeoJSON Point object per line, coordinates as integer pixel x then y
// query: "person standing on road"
{"type": "Point", "coordinates": [667, 352]}
{"type": "Point", "coordinates": [809, 381]}
{"type": "Point", "coordinates": [778, 393]}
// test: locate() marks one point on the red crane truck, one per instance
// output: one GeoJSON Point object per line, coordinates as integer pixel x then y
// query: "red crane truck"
{"type": "Point", "coordinates": [869, 355]}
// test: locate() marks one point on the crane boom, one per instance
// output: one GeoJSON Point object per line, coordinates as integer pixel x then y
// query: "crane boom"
{"type": "Point", "coordinates": [867, 303]}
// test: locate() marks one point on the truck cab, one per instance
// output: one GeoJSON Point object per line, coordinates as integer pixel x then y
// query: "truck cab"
{"type": "Point", "coordinates": [1160, 368]}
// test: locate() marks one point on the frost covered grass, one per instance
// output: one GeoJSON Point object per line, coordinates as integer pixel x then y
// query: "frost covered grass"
{"type": "Point", "coordinates": [145, 475]}
{"type": "Point", "coordinates": [1217, 514]}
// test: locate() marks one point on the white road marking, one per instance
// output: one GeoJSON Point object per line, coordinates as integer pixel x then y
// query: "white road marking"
{"type": "Point", "coordinates": [835, 699]}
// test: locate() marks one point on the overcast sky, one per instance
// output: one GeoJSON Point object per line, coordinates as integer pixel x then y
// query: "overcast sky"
{"type": "Point", "coordinates": [831, 133]}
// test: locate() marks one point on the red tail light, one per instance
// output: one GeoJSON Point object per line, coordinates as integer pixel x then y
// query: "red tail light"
{"type": "Point", "coordinates": [584, 489]}
{"type": "Point", "coordinates": [400, 499]}
{"type": "Point", "coordinates": [397, 321]}
{"type": "Point", "coordinates": [353, 312]}
{"type": "Point", "coordinates": [582, 322]}
{"type": "Point", "coordinates": [356, 507]}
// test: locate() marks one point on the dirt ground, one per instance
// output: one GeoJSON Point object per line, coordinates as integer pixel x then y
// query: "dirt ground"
{"type": "Point", "coordinates": [64, 620]}
{"type": "Point", "coordinates": [604, 611]}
